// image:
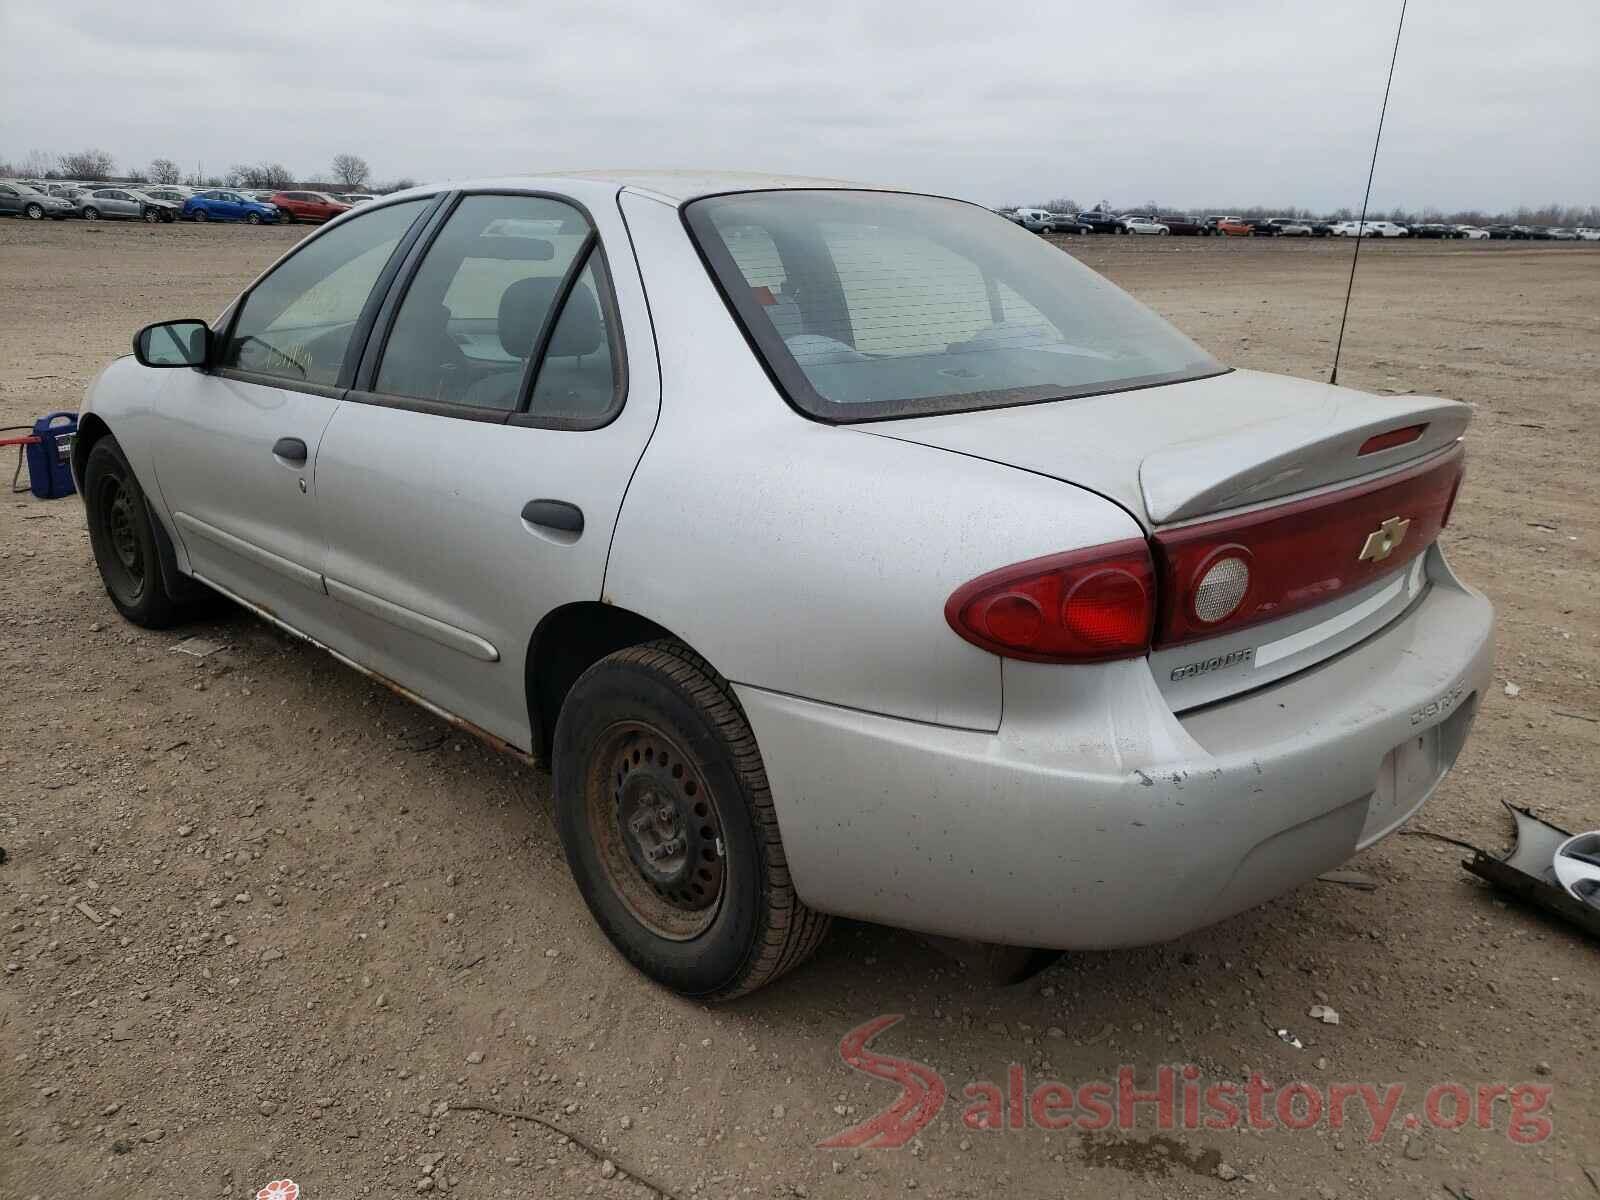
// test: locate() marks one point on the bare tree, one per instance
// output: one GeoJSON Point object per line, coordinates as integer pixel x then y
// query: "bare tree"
{"type": "Point", "coordinates": [263, 176]}
{"type": "Point", "coordinates": [164, 170]}
{"type": "Point", "coordinates": [87, 164]}
{"type": "Point", "coordinates": [37, 165]}
{"type": "Point", "coordinates": [396, 185]}
{"type": "Point", "coordinates": [351, 170]}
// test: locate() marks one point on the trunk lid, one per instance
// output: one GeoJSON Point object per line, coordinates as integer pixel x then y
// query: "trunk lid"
{"type": "Point", "coordinates": [1179, 451]}
{"type": "Point", "coordinates": [1192, 462]}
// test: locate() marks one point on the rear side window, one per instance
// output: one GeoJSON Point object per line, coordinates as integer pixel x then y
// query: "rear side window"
{"type": "Point", "coordinates": [512, 286]}
{"type": "Point", "coordinates": [868, 305]}
{"type": "Point", "coordinates": [296, 324]}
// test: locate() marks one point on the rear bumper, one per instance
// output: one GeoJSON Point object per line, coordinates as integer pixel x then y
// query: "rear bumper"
{"type": "Point", "coordinates": [1094, 816]}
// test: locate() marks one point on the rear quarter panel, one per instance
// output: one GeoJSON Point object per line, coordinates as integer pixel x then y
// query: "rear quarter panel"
{"type": "Point", "coordinates": [811, 559]}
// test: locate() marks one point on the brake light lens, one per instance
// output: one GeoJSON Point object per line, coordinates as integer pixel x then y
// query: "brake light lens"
{"type": "Point", "coordinates": [1082, 606]}
{"type": "Point", "coordinates": [1299, 554]}
{"type": "Point", "coordinates": [1389, 440]}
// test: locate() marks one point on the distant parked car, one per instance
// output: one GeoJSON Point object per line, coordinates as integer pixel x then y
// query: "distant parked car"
{"type": "Point", "coordinates": [1144, 225]}
{"type": "Point", "coordinates": [319, 206]}
{"type": "Point", "coordinates": [124, 204]}
{"type": "Point", "coordinates": [1185, 226]}
{"type": "Point", "coordinates": [1436, 230]}
{"type": "Point", "coordinates": [224, 204]}
{"type": "Point", "coordinates": [1289, 226]}
{"type": "Point", "coordinates": [1557, 234]}
{"type": "Point", "coordinates": [354, 198]}
{"type": "Point", "coordinates": [1373, 229]}
{"type": "Point", "coordinates": [1068, 223]}
{"type": "Point", "coordinates": [1100, 222]}
{"type": "Point", "coordinates": [1235, 227]}
{"type": "Point", "coordinates": [1588, 235]}
{"type": "Point", "coordinates": [21, 200]}
{"type": "Point", "coordinates": [1036, 219]}
{"type": "Point", "coordinates": [171, 192]}
{"type": "Point", "coordinates": [1472, 232]}
{"type": "Point", "coordinates": [1213, 223]}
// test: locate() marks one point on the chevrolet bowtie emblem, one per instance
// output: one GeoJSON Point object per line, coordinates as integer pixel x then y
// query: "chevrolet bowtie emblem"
{"type": "Point", "coordinates": [1381, 542]}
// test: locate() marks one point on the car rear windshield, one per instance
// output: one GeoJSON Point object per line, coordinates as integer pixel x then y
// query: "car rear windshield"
{"type": "Point", "coordinates": [874, 305]}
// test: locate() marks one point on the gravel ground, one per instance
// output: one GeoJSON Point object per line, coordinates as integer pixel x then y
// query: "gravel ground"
{"type": "Point", "coordinates": [261, 919]}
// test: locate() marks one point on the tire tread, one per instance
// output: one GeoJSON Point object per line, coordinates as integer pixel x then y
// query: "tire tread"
{"type": "Point", "coordinates": [791, 930]}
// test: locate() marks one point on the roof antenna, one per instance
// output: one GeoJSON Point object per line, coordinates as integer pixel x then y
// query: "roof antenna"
{"type": "Point", "coordinates": [1361, 228]}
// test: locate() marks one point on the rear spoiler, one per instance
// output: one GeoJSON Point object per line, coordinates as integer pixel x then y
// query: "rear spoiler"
{"type": "Point", "coordinates": [1298, 452]}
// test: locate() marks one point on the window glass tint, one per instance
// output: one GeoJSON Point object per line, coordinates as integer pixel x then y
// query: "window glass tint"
{"type": "Point", "coordinates": [472, 315]}
{"type": "Point", "coordinates": [297, 321]}
{"type": "Point", "coordinates": [870, 305]}
{"type": "Point", "coordinates": [577, 381]}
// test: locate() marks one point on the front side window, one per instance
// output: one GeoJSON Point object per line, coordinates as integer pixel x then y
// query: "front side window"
{"type": "Point", "coordinates": [296, 324]}
{"type": "Point", "coordinates": [476, 312]}
{"type": "Point", "coordinates": [894, 305]}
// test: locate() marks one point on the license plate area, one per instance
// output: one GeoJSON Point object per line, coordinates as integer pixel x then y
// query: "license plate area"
{"type": "Point", "coordinates": [1405, 777]}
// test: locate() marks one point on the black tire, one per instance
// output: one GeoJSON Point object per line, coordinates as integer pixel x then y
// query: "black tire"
{"type": "Point", "coordinates": [123, 535]}
{"type": "Point", "coordinates": [200, 214]}
{"type": "Point", "coordinates": [34, 212]}
{"type": "Point", "coordinates": [287, 217]}
{"type": "Point", "coordinates": [253, 218]}
{"type": "Point", "coordinates": [151, 215]}
{"type": "Point", "coordinates": [652, 730]}
{"type": "Point", "coordinates": [91, 214]}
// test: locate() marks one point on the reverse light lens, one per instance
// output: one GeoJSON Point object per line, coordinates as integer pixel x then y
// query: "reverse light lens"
{"type": "Point", "coordinates": [1221, 589]}
{"type": "Point", "coordinates": [1083, 606]}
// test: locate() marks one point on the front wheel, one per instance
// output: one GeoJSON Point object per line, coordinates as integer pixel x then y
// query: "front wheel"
{"type": "Point", "coordinates": [1162, 232]}
{"type": "Point", "coordinates": [200, 214]}
{"type": "Point", "coordinates": [123, 536]}
{"type": "Point", "coordinates": [151, 215]}
{"type": "Point", "coordinates": [253, 218]}
{"type": "Point", "coordinates": [34, 212]}
{"type": "Point", "coordinates": [91, 214]}
{"type": "Point", "coordinates": [668, 824]}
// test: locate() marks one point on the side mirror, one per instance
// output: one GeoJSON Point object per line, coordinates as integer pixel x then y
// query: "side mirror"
{"type": "Point", "coordinates": [173, 344]}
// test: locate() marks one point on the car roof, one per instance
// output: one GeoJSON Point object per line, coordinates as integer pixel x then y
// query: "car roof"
{"type": "Point", "coordinates": [676, 187]}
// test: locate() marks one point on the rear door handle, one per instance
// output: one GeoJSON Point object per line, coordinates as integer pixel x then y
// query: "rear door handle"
{"type": "Point", "coordinates": [554, 514]}
{"type": "Point", "coordinates": [291, 450]}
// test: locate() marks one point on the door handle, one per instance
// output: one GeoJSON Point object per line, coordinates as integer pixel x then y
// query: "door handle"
{"type": "Point", "coordinates": [291, 450]}
{"type": "Point", "coordinates": [554, 514]}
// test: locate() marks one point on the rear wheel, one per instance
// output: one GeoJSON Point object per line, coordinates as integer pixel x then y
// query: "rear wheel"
{"type": "Point", "coordinates": [200, 214]}
{"type": "Point", "coordinates": [123, 536]}
{"type": "Point", "coordinates": [669, 827]}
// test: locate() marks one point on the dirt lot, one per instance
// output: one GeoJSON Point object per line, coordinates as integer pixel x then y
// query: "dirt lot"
{"type": "Point", "coordinates": [262, 919]}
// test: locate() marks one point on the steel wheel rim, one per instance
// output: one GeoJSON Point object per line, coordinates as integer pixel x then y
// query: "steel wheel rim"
{"type": "Point", "coordinates": [119, 519]}
{"type": "Point", "coordinates": [656, 831]}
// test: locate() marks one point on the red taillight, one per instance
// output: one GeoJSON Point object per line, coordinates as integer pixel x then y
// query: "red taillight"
{"type": "Point", "coordinates": [1299, 554]}
{"type": "Point", "coordinates": [1083, 606]}
{"type": "Point", "coordinates": [1391, 439]}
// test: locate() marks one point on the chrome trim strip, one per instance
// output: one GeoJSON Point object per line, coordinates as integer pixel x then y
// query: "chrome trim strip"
{"type": "Point", "coordinates": [1272, 652]}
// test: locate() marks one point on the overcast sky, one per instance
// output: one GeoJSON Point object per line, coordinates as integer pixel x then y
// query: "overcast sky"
{"type": "Point", "coordinates": [1192, 104]}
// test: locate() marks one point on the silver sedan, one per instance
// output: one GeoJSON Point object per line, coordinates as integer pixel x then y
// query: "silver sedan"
{"type": "Point", "coordinates": [125, 204]}
{"type": "Point", "coordinates": [844, 551]}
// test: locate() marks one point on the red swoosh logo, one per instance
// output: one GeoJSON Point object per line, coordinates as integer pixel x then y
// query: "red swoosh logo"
{"type": "Point", "coordinates": [921, 1096]}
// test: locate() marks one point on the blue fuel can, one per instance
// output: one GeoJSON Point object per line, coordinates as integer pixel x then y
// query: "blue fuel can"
{"type": "Point", "coordinates": [50, 458]}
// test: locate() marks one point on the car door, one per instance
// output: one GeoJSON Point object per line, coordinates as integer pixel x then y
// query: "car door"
{"type": "Point", "coordinates": [10, 199]}
{"type": "Point", "coordinates": [236, 458]}
{"type": "Point", "coordinates": [470, 482]}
